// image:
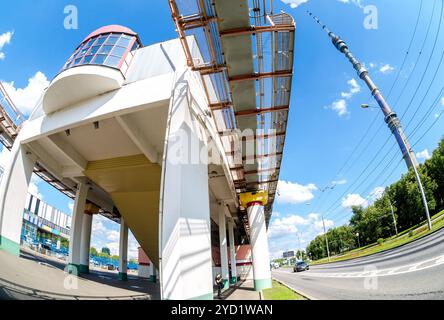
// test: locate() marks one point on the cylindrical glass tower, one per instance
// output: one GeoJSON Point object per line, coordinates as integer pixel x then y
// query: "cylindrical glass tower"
{"type": "Point", "coordinates": [111, 46]}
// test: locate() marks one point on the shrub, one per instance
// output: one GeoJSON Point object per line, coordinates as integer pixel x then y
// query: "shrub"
{"type": "Point", "coordinates": [411, 233]}
{"type": "Point", "coordinates": [380, 241]}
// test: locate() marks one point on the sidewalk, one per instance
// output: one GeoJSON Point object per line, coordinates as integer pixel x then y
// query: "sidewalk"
{"type": "Point", "coordinates": [33, 278]}
{"type": "Point", "coordinates": [243, 291]}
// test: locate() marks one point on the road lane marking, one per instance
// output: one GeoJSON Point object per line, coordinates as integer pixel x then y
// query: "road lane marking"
{"type": "Point", "coordinates": [419, 266]}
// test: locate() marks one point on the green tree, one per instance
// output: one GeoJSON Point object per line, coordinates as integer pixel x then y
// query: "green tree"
{"type": "Point", "coordinates": [106, 251]}
{"type": "Point", "coordinates": [93, 251]}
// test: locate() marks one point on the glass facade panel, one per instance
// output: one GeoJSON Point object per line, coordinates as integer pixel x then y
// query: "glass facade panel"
{"type": "Point", "coordinates": [113, 61]}
{"type": "Point", "coordinates": [112, 40]}
{"type": "Point", "coordinates": [118, 51]}
{"type": "Point", "coordinates": [124, 42]}
{"type": "Point", "coordinates": [107, 49]}
{"type": "Point", "coordinates": [99, 59]}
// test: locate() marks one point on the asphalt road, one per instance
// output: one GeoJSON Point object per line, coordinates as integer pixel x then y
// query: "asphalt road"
{"type": "Point", "coordinates": [414, 271]}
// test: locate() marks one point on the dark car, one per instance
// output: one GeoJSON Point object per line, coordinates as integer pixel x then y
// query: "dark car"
{"type": "Point", "coordinates": [301, 266]}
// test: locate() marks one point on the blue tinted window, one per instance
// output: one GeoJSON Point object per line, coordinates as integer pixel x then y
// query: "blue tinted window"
{"type": "Point", "coordinates": [113, 61]}
{"type": "Point", "coordinates": [112, 40]}
{"type": "Point", "coordinates": [118, 51]}
{"type": "Point", "coordinates": [105, 49]}
{"type": "Point", "coordinates": [87, 59]}
{"type": "Point", "coordinates": [99, 59]}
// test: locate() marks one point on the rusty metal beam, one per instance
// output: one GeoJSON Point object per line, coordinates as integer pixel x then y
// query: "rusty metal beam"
{"type": "Point", "coordinates": [257, 29]}
{"type": "Point", "coordinates": [253, 172]}
{"type": "Point", "coordinates": [262, 182]}
{"type": "Point", "coordinates": [258, 76]}
{"type": "Point", "coordinates": [261, 156]}
{"type": "Point", "coordinates": [261, 111]}
{"type": "Point", "coordinates": [206, 70]}
{"type": "Point", "coordinates": [220, 106]}
{"type": "Point", "coordinates": [195, 22]}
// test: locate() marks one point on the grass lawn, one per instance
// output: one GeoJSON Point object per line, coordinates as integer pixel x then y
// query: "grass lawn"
{"type": "Point", "coordinates": [281, 292]}
{"type": "Point", "coordinates": [390, 243]}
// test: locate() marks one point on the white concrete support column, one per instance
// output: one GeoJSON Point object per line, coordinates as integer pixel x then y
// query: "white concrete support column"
{"type": "Point", "coordinates": [185, 229]}
{"type": "Point", "coordinates": [123, 251]}
{"type": "Point", "coordinates": [233, 261]}
{"type": "Point", "coordinates": [223, 247]}
{"type": "Point", "coordinates": [85, 243]}
{"type": "Point", "coordinates": [13, 192]}
{"type": "Point", "coordinates": [259, 246]}
{"type": "Point", "coordinates": [76, 228]}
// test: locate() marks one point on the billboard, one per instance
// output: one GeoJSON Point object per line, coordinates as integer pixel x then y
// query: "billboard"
{"type": "Point", "coordinates": [289, 254]}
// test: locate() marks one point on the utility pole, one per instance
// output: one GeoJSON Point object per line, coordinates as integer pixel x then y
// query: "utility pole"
{"type": "Point", "coordinates": [300, 250]}
{"type": "Point", "coordinates": [391, 118]}
{"type": "Point", "coordinates": [326, 238]}
{"type": "Point", "coordinates": [393, 216]}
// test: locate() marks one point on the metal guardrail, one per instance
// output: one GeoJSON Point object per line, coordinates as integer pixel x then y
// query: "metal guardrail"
{"type": "Point", "coordinates": [11, 119]}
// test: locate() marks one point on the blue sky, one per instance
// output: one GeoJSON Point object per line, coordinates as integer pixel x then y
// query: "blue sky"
{"type": "Point", "coordinates": [325, 124]}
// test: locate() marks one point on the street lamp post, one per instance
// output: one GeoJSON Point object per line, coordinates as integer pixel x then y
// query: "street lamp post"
{"type": "Point", "coordinates": [326, 238]}
{"type": "Point", "coordinates": [359, 244]}
{"type": "Point", "coordinates": [300, 250]}
{"type": "Point", "coordinates": [393, 216]}
{"type": "Point", "coordinates": [391, 118]}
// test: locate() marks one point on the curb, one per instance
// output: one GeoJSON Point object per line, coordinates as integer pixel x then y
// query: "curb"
{"type": "Point", "coordinates": [306, 296]}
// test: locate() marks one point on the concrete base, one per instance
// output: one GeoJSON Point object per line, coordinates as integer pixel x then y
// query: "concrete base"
{"type": "Point", "coordinates": [153, 279]}
{"type": "Point", "coordinates": [83, 269]}
{"type": "Point", "coordinates": [73, 269]}
{"type": "Point", "coordinates": [233, 280]}
{"type": "Point", "coordinates": [9, 246]}
{"type": "Point", "coordinates": [226, 284]}
{"type": "Point", "coordinates": [262, 284]}
{"type": "Point", "coordinates": [123, 276]}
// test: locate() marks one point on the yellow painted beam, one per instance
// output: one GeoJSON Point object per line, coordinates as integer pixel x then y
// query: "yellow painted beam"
{"type": "Point", "coordinates": [134, 185]}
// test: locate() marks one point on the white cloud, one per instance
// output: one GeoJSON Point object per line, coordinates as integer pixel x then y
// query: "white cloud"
{"type": "Point", "coordinates": [424, 155]}
{"type": "Point", "coordinates": [286, 226]}
{"type": "Point", "coordinates": [133, 247]}
{"type": "Point", "coordinates": [354, 200]}
{"type": "Point", "coordinates": [442, 101]}
{"type": "Point", "coordinates": [71, 206]}
{"type": "Point", "coordinates": [319, 225]}
{"type": "Point", "coordinates": [5, 39]}
{"type": "Point", "coordinates": [386, 69]}
{"type": "Point", "coordinates": [295, 193]}
{"type": "Point", "coordinates": [340, 182]}
{"type": "Point", "coordinates": [377, 193]}
{"type": "Point", "coordinates": [113, 247]}
{"type": "Point", "coordinates": [354, 89]}
{"type": "Point", "coordinates": [355, 2]}
{"type": "Point", "coordinates": [286, 233]}
{"type": "Point", "coordinates": [294, 3]}
{"type": "Point", "coordinates": [340, 107]}
{"type": "Point", "coordinates": [112, 235]}
{"type": "Point", "coordinates": [26, 98]}
{"type": "Point", "coordinates": [98, 225]}
{"type": "Point", "coordinates": [33, 187]}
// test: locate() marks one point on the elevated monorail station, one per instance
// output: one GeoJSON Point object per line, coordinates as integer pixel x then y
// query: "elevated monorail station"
{"type": "Point", "coordinates": [181, 142]}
